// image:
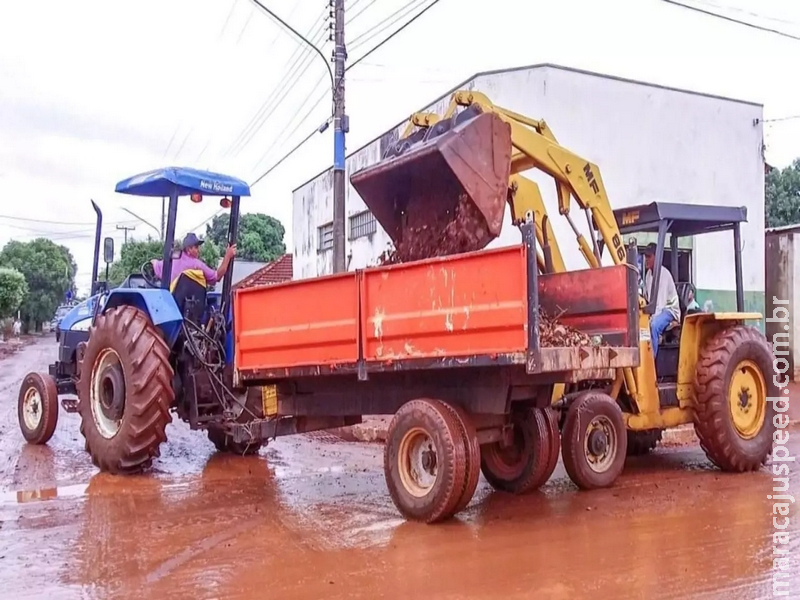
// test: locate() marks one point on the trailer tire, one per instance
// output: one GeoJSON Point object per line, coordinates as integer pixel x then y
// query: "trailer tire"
{"type": "Point", "coordinates": [472, 450]}
{"type": "Point", "coordinates": [424, 432]}
{"type": "Point", "coordinates": [524, 466]}
{"type": "Point", "coordinates": [580, 447]}
{"type": "Point", "coordinates": [735, 427]}
{"type": "Point", "coordinates": [37, 408]}
{"type": "Point", "coordinates": [125, 391]}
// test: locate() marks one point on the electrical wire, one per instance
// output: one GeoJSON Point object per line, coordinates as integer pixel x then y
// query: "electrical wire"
{"type": "Point", "coordinates": [320, 129]}
{"type": "Point", "coordinates": [732, 20]}
{"type": "Point", "coordinates": [791, 118]}
{"type": "Point", "coordinates": [352, 18]}
{"type": "Point", "coordinates": [373, 31]}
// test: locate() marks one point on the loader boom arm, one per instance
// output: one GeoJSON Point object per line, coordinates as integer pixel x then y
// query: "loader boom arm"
{"type": "Point", "coordinates": [535, 146]}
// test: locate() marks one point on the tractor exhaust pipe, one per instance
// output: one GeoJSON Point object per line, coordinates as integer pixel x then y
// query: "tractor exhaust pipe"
{"type": "Point", "coordinates": [98, 232]}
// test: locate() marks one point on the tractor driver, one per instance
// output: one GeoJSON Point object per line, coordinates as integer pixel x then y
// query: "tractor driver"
{"type": "Point", "coordinates": [189, 259]}
{"type": "Point", "coordinates": [668, 307]}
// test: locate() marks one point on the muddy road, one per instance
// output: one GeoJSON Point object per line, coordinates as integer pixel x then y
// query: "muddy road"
{"type": "Point", "coordinates": [310, 517]}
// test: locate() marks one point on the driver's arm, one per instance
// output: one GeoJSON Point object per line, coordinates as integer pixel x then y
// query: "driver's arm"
{"type": "Point", "coordinates": [157, 267]}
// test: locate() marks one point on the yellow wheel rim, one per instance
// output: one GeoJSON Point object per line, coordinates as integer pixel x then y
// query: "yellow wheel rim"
{"type": "Point", "coordinates": [748, 399]}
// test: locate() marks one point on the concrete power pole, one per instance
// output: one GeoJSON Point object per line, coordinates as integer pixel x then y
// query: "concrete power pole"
{"type": "Point", "coordinates": [340, 128]}
{"type": "Point", "coordinates": [126, 230]}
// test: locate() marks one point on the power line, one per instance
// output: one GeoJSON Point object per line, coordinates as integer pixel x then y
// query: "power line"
{"type": "Point", "coordinates": [15, 218]}
{"type": "Point", "coordinates": [732, 20]}
{"type": "Point", "coordinates": [404, 10]}
{"type": "Point", "coordinates": [359, 13]}
{"type": "Point", "coordinates": [791, 118]}
{"type": "Point", "coordinates": [320, 129]}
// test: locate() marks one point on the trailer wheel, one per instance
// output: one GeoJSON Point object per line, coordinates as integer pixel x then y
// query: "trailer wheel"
{"type": "Point", "coordinates": [594, 441]}
{"type": "Point", "coordinates": [526, 464]}
{"type": "Point", "coordinates": [733, 418]}
{"type": "Point", "coordinates": [472, 451]}
{"type": "Point", "coordinates": [125, 391]}
{"type": "Point", "coordinates": [425, 461]}
{"type": "Point", "coordinates": [37, 408]}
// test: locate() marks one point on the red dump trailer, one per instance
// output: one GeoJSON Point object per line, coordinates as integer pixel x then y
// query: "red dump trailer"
{"type": "Point", "coordinates": [449, 346]}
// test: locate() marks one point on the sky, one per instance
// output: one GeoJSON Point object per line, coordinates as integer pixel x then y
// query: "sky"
{"type": "Point", "coordinates": [92, 91]}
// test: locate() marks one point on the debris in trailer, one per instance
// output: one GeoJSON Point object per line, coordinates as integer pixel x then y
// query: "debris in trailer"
{"type": "Point", "coordinates": [553, 334]}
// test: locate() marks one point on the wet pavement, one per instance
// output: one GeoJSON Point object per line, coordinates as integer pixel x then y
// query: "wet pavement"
{"type": "Point", "coordinates": [311, 518]}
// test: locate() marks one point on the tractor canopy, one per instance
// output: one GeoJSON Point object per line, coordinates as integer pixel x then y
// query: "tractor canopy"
{"type": "Point", "coordinates": [182, 181]}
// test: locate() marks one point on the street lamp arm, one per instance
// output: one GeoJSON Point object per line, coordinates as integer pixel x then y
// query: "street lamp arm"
{"type": "Point", "coordinates": [130, 212]}
{"type": "Point", "coordinates": [299, 35]}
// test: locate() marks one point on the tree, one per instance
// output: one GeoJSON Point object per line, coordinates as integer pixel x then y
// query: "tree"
{"type": "Point", "coordinates": [49, 270]}
{"type": "Point", "coordinates": [260, 236]}
{"type": "Point", "coordinates": [131, 258]}
{"type": "Point", "coordinates": [13, 290]}
{"type": "Point", "coordinates": [782, 196]}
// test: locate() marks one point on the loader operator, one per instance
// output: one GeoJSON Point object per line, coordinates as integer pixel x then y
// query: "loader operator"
{"type": "Point", "coordinates": [668, 307]}
{"type": "Point", "coordinates": [189, 260]}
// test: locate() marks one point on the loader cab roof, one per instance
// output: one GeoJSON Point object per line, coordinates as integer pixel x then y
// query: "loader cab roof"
{"type": "Point", "coordinates": [682, 219]}
{"type": "Point", "coordinates": [182, 181]}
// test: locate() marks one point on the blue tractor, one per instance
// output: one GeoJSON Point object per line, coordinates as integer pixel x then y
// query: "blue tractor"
{"type": "Point", "coordinates": [138, 352]}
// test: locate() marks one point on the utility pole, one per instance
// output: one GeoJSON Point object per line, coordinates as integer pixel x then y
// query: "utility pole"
{"type": "Point", "coordinates": [340, 128]}
{"type": "Point", "coordinates": [126, 230]}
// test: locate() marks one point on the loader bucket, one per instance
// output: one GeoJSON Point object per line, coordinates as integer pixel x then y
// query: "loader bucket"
{"type": "Point", "coordinates": [442, 190]}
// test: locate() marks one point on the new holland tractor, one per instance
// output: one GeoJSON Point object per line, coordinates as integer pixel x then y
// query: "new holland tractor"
{"type": "Point", "coordinates": [135, 353]}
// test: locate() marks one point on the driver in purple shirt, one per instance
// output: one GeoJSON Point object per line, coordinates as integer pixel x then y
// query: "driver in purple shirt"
{"type": "Point", "coordinates": [189, 259]}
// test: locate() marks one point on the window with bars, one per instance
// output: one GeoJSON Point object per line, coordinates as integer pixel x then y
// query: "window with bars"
{"type": "Point", "coordinates": [325, 241]}
{"type": "Point", "coordinates": [362, 224]}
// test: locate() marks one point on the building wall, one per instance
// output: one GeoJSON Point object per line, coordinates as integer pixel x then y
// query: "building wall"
{"type": "Point", "coordinates": [650, 143]}
{"type": "Point", "coordinates": [782, 274]}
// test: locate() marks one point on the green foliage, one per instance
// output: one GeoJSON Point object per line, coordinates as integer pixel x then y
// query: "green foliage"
{"type": "Point", "coordinates": [260, 236]}
{"type": "Point", "coordinates": [13, 289]}
{"type": "Point", "coordinates": [49, 270]}
{"type": "Point", "coordinates": [783, 195]}
{"type": "Point", "coordinates": [210, 253]}
{"type": "Point", "coordinates": [131, 258]}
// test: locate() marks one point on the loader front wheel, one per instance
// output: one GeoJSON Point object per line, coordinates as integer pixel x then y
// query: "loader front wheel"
{"type": "Point", "coordinates": [425, 461]}
{"type": "Point", "coordinates": [125, 391]}
{"type": "Point", "coordinates": [530, 460]}
{"type": "Point", "coordinates": [594, 441]}
{"type": "Point", "coordinates": [37, 408]}
{"type": "Point", "coordinates": [733, 418]}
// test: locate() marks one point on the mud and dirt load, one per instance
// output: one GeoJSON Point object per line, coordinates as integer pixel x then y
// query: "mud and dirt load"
{"type": "Point", "coordinates": [442, 190]}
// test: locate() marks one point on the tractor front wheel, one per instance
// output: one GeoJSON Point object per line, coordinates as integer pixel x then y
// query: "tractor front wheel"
{"type": "Point", "coordinates": [733, 418]}
{"type": "Point", "coordinates": [125, 391]}
{"type": "Point", "coordinates": [37, 408]}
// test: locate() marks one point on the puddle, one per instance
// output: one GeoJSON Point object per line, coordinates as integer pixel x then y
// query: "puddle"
{"type": "Point", "coordinates": [43, 494]}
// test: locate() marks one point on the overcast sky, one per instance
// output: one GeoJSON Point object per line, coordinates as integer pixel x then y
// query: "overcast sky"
{"type": "Point", "coordinates": [93, 91]}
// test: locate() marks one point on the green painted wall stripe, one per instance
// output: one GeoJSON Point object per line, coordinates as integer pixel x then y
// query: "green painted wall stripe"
{"type": "Point", "coordinates": [725, 301]}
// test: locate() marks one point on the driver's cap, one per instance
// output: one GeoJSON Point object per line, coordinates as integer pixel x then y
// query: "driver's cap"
{"type": "Point", "coordinates": [190, 240]}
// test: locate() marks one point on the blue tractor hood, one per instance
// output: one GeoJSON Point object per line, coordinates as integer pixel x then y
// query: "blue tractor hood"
{"type": "Point", "coordinates": [80, 317]}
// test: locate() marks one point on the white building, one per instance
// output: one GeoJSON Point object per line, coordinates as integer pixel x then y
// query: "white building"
{"type": "Point", "coordinates": [650, 143]}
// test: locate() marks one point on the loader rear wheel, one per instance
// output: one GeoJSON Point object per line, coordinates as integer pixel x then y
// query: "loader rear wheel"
{"type": "Point", "coordinates": [594, 441]}
{"type": "Point", "coordinates": [733, 418]}
{"type": "Point", "coordinates": [472, 451]}
{"type": "Point", "coordinates": [425, 461]}
{"type": "Point", "coordinates": [125, 391]}
{"type": "Point", "coordinates": [37, 408]}
{"type": "Point", "coordinates": [528, 463]}
{"type": "Point", "coordinates": [642, 442]}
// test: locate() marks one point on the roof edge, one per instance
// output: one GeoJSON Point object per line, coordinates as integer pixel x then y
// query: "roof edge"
{"type": "Point", "coordinates": [525, 68]}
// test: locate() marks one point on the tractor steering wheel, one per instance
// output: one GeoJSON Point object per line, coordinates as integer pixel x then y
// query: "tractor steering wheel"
{"type": "Point", "coordinates": [149, 275]}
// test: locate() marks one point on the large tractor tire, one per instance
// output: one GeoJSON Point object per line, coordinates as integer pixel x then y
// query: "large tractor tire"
{"type": "Point", "coordinates": [125, 391]}
{"type": "Point", "coordinates": [733, 418]}
{"type": "Point", "coordinates": [529, 462]}
{"type": "Point", "coordinates": [594, 441]}
{"type": "Point", "coordinates": [225, 443]}
{"type": "Point", "coordinates": [425, 461]}
{"type": "Point", "coordinates": [37, 408]}
{"type": "Point", "coordinates": [642, 442]}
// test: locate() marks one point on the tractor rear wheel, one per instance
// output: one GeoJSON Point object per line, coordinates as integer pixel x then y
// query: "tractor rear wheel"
{"type": "Point", "coordinates": [37, 408]}
{"type": "Point", "coordinates": [642, 442]}
{"type": "Point", "coordinates": [529, 462]}
{"type": "Point", "coordinates": [424, 461]}
{"type": "Point", "coordinates": [733, 418]}
{"type": "Point", "coordinates": [125, 391]}
{"type": "Point", "coordinates": [594, 441]}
